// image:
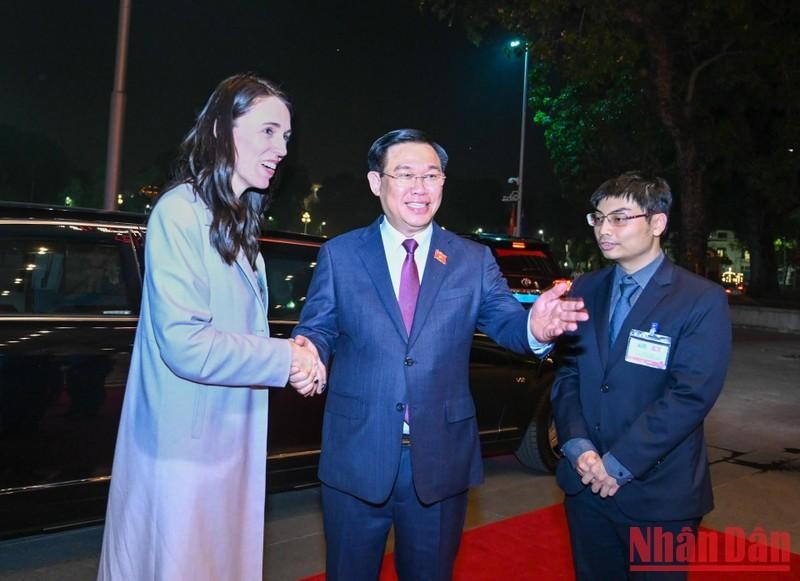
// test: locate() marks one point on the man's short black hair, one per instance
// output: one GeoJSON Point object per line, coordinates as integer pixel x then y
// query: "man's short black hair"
{"type": "Point", "coordinates": [651, 193]}
{"type": "Point", "coordinates": [376, 158]}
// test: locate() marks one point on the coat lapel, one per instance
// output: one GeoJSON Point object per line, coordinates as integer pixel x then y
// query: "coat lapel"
{"type": "Point", "coordinates": [261, 276]}
{"type": "Point", "coordinates": [431, 282]}
{"type": "Point", "coordinates": [247, 272]}
{"type": "Point", "coordinates": [373, 256]}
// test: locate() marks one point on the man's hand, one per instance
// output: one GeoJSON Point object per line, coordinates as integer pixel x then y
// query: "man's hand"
{"type": "Point", "coordinates": [592, 471]}
{"type": "Point", "coordinates": [553, 315]}
{"type": "Point", "coordinates": [307, 374]}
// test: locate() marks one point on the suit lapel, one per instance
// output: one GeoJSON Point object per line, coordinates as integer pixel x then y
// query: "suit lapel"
{"type": "Point", "coordinates": [373, 256]}
{"type": "Point", "coordinates": [431, 282]}
{"type": "Point", "coordinates": [640, 315]}
{"type": "Point", "coordinates": [602, 298]}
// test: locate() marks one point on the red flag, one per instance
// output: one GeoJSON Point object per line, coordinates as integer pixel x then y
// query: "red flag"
{"type": "Point", "coordinates": [512, 221]}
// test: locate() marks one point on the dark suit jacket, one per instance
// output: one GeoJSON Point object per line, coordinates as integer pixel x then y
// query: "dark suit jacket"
{"type": "Point", "coordinates": [352, 314]}
{"type": "Point", "coordinates": [651, 420]}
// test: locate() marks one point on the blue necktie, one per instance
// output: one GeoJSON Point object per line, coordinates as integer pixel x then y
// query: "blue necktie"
{"type": "Point", "coordinates": [627, 286]}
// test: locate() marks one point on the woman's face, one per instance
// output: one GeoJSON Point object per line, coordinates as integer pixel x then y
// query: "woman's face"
{"type": "Point", "coordinates": [260, 138]}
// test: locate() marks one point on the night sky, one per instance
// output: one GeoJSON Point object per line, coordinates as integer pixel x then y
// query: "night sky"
{"type": "Point", "coordinates": [353, 71]}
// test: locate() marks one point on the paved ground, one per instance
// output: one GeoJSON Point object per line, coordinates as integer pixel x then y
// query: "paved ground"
{"type": "Point", "coordinates": [754, 437]}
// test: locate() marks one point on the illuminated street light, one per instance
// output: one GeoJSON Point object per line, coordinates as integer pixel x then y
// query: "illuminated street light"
{"type": "Point", "coordinates": [305, 219]}
{"type": "Point", "coordinates": [518, 225]}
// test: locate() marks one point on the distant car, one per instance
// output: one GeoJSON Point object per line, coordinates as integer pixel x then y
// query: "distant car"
{"type": "Point", "coordinates": [530, 269]}
{"type": "Point", "coordinates": [526, 263]}
{"type": "Point", "coordinates": [733, 289]}
{"type": "Point", "coordinates": [70, 288]}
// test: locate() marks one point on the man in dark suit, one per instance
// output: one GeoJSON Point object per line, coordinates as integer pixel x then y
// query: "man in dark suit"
{"type": "Point", "coordinates": [636, 385]}
{"type": "Point", "coordinates": [396, 304]}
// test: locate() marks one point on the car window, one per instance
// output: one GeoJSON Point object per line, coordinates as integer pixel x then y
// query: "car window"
{"type": "Point", "coordinates": [52, 272]}
{"type": "Point", "coordinates": [526, 262]}
{"type": "Point", "coordinates": [290, 266]}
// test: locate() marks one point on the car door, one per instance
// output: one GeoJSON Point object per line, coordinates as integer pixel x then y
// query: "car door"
{"type": "Point", "coordinates": [295, 422]}
{"type": "Point", "coordinates": [69, 301]}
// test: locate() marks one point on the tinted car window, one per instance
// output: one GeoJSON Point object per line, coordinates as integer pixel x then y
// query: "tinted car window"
{"type": "Point", "coordinates": [55, 271]}
{"type": "Point", "coordinates": [290, 266]}
{"type": "Point", "coordinates": [526, 262]}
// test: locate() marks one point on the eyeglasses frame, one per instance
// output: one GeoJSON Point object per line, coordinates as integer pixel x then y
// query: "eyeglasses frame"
{"type": "Point", "coordinates": [414, 178]}
{"type": "Point", "coordinates": [624, 219]}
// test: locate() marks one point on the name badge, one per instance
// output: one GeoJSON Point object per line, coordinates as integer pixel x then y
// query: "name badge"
{"type": "Point", "coordinates": [648, 349]}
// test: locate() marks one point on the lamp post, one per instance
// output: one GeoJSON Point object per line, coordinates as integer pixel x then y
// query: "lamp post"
{"type": "Point", "coordinates": [117, 115]}
{"type": "Point", "coordinates": [305, 219]}
{"type": "Point", "coordinates": [518, 226]}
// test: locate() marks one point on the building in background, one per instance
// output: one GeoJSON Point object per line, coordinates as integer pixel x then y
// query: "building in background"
{"type": "Point", "coordinates": [728, 260]}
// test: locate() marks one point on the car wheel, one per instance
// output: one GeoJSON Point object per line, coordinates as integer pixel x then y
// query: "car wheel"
{"type": "Point", "coordinates": [538, 449]}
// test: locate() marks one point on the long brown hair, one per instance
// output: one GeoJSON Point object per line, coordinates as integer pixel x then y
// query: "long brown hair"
{"type": "Point", "coordinates": [207, 160]}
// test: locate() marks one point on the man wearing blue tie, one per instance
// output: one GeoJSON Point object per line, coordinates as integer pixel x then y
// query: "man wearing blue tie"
{"type": "Point", "coordinates": [635, 386]}
{"type": "Point", "coordinates": [396, 305]}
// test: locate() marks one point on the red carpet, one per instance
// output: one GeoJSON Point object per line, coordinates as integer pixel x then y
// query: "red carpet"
{"type": "Point", "coordinates": [535, 547]}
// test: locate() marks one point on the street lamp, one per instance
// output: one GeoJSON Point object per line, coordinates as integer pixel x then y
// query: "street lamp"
{"type": "Point", "coordinates": [518, 225]}
{"type": "Point", "coordinates": [305, 219]}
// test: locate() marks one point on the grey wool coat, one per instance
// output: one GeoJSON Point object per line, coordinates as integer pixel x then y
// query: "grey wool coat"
{"type": "Point", "coordinates": [189, 476]}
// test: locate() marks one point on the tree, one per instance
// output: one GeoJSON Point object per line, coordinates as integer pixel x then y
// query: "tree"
{"type": "Point", "coordinates": [651, 61]}
{"type": "Point", "coordinates": [753, 129]}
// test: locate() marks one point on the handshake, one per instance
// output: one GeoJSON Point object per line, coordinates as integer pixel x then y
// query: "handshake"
{"type": "Point", "coordinates": [307, 373]}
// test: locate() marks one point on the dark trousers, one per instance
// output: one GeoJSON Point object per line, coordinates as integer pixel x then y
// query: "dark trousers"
{"type": "Point", "coordinates": [426, 536]}
{"type": "Point", "coordinates": [601, 535]}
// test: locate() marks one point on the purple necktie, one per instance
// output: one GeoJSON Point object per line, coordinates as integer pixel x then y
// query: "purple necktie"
{"type": "Point", "coordinates": [409, 284]}
{"type": "Point", "coordinates": [409, 290]}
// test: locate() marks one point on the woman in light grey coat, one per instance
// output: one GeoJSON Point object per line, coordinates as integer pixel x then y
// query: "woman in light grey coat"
{"type": "Point", "coordinates": [189, 477]}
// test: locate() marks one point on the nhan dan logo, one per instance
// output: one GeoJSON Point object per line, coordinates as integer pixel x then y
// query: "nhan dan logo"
{"type": "Point", "coordinates": [654, 549]}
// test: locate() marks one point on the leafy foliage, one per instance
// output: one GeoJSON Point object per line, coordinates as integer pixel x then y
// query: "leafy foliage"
{"type": "Point", "coordinates": [706, 92]}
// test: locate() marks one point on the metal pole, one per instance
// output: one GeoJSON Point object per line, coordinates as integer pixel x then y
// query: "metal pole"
{"type": "Point", "coordinates": [117, 114]}
{"type": "Point", "coordinates": [518, 226]}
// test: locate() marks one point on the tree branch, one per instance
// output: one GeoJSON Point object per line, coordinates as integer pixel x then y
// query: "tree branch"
{"type": "Point", "coordinates": [690, 89]}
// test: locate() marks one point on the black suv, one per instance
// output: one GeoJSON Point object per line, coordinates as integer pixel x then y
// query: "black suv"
{"type": "Point", "coordinates": [70, 287]}
{"type": "Point", "coordinates": [526, 263]}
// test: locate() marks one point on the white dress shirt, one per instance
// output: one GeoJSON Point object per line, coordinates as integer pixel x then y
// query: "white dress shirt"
{"type": "Point", "coordinates": [396, 252]}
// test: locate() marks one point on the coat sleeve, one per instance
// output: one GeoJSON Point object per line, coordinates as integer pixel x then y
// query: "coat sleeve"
{"type": "Point", "coordinates": [179, 290]}
{"type": "Point", "coordinates": [318, 319]}
{"type": "Point", "coordinates": [500, 315]}
{"type": "Point", "coordinates": [696, 376]}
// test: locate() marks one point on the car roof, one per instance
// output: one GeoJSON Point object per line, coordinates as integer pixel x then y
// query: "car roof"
{"type": "Point", "coordinates": [28, 211]}
{"type": "Point", "coordinates": [505, 241]}
{"type": "Point", "coordinates": [53, 212]}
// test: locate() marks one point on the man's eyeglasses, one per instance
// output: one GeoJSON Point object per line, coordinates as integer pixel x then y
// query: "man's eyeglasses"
{"type": "Point", "coordinates": [615, 219]}
{"type": "Point", "coordinates": [429, 180]}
